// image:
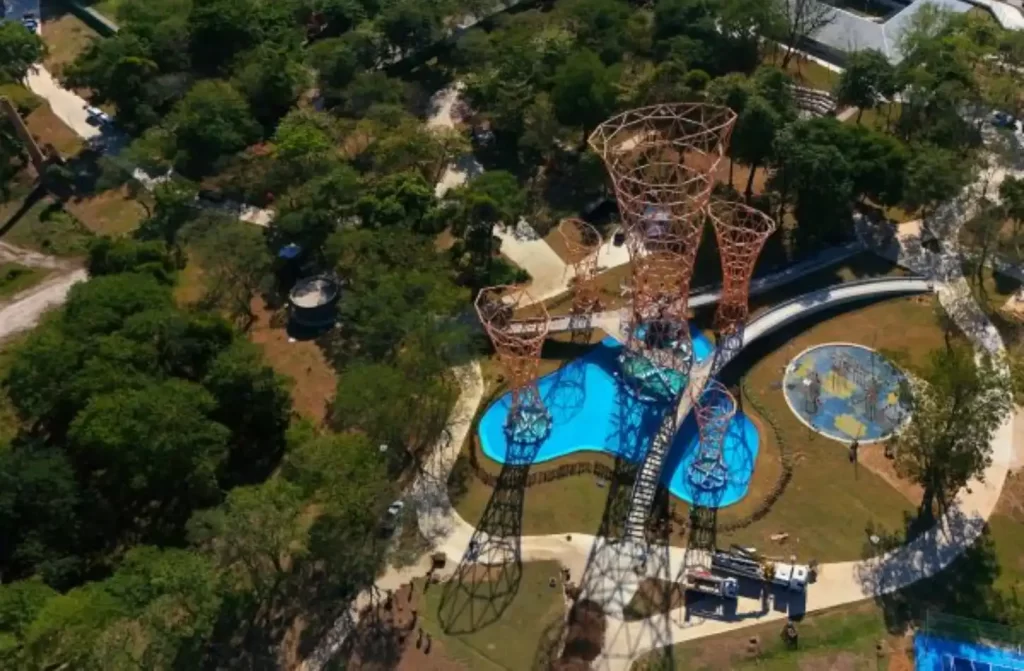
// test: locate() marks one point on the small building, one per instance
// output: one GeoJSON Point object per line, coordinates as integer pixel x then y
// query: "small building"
{"type": "Point", "coordinates": [314, 300]}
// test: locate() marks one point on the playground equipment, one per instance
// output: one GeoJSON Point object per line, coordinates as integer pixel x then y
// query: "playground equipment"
{"type": "Point", "coordinates": [661, 160]}
{"type": "Point", "coordinates": [714, 408]}
{"type": "Point", "coordinates": [741, 232]}
{"type": "Point", "coordinates": [518, 342]}
{"type": "Point", "coordinates": [582, 242]}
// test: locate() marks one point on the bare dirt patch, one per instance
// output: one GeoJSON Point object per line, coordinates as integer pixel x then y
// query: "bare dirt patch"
{"type": "Point", "coordinates": [66, 36]}
{"type": "Point", "coordinates": [1011, 499]}
{"type": "Point", "coordinates": [873, 458]}
{"type": "Point", "coordinates": [112, 212]}
{"type": "Point", "coordinates": [47, 128]}
{"type": "Point", "coordinates": [301, 360]}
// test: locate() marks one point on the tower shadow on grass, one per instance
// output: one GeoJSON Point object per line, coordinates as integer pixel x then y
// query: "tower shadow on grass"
{"type": "Point", "coordinates": [487, 578]}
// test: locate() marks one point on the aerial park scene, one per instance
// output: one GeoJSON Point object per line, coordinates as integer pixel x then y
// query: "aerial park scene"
{"type": "Point", "coordinates": [666, 204]}
{"type": "Point", "coordinates": [518, 335]}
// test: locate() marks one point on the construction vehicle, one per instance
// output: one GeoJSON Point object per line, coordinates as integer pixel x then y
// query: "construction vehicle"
{"type": "Point", "coordinates": [707, 582]}
{"type": "Point", "coordinates": [793, 577]}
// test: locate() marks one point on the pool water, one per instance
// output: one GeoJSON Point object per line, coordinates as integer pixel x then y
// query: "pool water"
{"type": "Point", "coordinates": [592, 411]}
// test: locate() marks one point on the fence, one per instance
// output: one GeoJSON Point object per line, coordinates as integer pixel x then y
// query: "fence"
{"type": "Point", "coordinates": [605, 472]}
{"type": "Point", "coordinates": [944, 625]}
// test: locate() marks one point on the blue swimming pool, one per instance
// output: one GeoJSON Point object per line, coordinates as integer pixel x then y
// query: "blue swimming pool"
{"type": "Point", "coordinates": [933, 653]}
{"type": "Point", "coordinates": [590, 410]}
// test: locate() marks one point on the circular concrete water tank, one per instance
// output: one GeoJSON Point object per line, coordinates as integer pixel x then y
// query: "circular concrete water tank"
{"type": "Point", "coordinates": [314, 301]}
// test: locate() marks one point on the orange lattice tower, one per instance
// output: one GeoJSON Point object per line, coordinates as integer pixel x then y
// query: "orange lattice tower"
{"type": "Point", "coordinates": [582, 242]}
{"type": "Point", "coordinates": [662, 161]}
{"type": "Point", "coordinates": [714, 408]}
{"type": "Point", "coordinates": [741, 232]}
{"type": "Point", "coordinates": [518, 340]}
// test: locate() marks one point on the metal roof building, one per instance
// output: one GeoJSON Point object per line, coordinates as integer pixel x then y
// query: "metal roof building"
{"type": "Point", "coordinates": [850, 32]}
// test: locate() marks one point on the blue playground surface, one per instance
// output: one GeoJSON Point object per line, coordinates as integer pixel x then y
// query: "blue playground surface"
{"type": "Point", "coordinates": [592, 410]}
{"type": "Point", "coordinates": [846, 392]}
{"type": "Point", "coordinates": [941, 654]}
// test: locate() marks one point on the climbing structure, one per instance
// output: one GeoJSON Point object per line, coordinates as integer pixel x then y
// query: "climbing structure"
{"type": "Point", "coordinates": [582, 242]}
{"type": "Point", "coordinates": [662, 160]}
{"type": "Point", "coordinates": [518, 339]}
{"type": "Point", "coordinates": [741, 232]}
{"type": "Point", "coordinates": [714, 408]}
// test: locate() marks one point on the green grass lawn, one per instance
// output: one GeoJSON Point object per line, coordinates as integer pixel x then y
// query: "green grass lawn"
{"type": "Point", "coordinates": [844, 638]}
{"type": "Point", "coordinates": [44, 226]}
{"type": "Point", "coordinates": [15, 277]}
{"type": "Point", "coordinates": [804, 71]}
{"type": "Point", "coordinates": [511, 641]}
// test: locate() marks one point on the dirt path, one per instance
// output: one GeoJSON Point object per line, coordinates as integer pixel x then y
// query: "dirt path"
{"type": "Point", "coordinates": [26, 257]}
{"type": "Point", "coordinates": [25, 309]}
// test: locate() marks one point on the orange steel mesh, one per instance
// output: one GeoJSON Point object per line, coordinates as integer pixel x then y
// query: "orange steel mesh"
{"type": "Point", "coordinates": [714, 407]}
{"type": "Point", "coordinates": [518, 340]}
{"type": "Point", "coordinates": [661, 160]}
{"type": "Point", "coordinates": [582, 242]}
{"type": "Point", "coordinates": [741, 232]}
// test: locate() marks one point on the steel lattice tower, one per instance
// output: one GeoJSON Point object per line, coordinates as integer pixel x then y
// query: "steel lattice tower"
{"type": "Point", "coordinates": [662, 160]}
{"type": "Point", "coordinates": [518, 341]}
{"type": "Point", "coordinates": [714, 408]}
{"type": "Point", "coordinates": [582, 242]}
{"type": "Point", "coordinates": [741, 232]}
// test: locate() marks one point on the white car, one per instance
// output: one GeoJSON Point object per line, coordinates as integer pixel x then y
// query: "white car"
{"type": "Point", "coordinates": [97, 116]}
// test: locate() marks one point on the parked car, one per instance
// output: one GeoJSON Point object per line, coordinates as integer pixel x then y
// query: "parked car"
{"type": "Point", "coordinates": [1003, 120]}
{"type": "Point", "coordinates": [30, 21]}
{"type": "Point", "coordinates": [97, 116]}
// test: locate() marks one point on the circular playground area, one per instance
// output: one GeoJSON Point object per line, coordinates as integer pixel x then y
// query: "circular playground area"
{"type": "Point", "coordinates": [847, 392]}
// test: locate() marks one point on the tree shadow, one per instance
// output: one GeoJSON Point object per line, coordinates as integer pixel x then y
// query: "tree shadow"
{"type": "Point", "coordinates": [37, 194]}
{"type": "Point", "coordinates": [964, 587]}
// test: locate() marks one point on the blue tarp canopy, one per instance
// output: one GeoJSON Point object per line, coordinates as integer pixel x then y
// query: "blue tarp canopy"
{"type": "Point", "coordinates": [289, 251]}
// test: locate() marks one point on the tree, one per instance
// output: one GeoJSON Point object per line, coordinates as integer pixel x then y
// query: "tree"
{"type": "Point", "coordinates": [111, 256]}
{"type": "Point", "coordinates": [400, 199]}
{"type": "Point", "coordinates": [120, 70]}
{"type": "Point", "coordinates": [20, 49]}
{"type": "Point", "coordinates": [255, 535]}
{"type": "Point", "coordinates": [156, 610]}
{"type": "Point", "coordinates": [335, 63]}
{"type": "Point", "coordinates": [1011, 193]}
{"type": "Point", "coordinates": [20, 603]}
{"type": "Point", "coordinates": [957, 406]}
{"type": "Point", "coordinates": [600, 25]}
{"type": "Point", "coordinates": [221, 29]}
{"type": "Point", "coordinates": [935, 175]}
{"type": "Point", "coordinates": [346, 476]}
{"type": "Point", "coordinates": [803, 18]}
{"type": "Point", "coordinates": [868, 79]}
{"type": "Point", "coordinates": [372, 88]}
{"type": "Point", "coordinates": [753, 138]}
{"type": "Point", "coordinates": [410, 25]}
{"type": "Point", "coordinates": [174, 206]}
{"type": "Point", "coordinates": [272, 77]}
{"type": "Point", "coordinates": [310, 213]}
{"type": "Point", "coordinates": [39, 517]}
{"type": "Point", "coordinates": [237, 265]}
{"type": "Point", "coordinates": [583, 93]}
{"type": "Point", "coordinates": [155, 444]}
{"type": "Point", "coordinates": [211, 122]}
{"type": "Point", "coordinates": [254, 403]}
